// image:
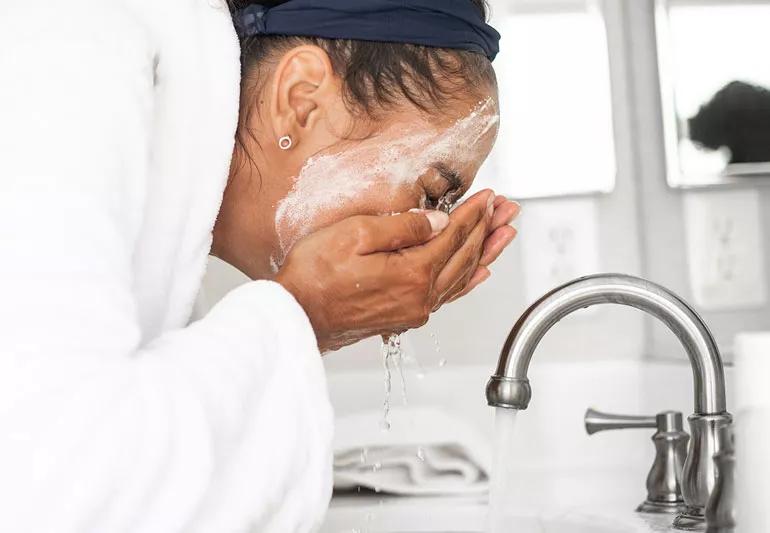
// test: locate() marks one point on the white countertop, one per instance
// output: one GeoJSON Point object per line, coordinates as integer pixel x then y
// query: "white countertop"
{"type": "Point", "coordinates": [567, 482]}
{"type": "Point", "coordinates": [372, 513]}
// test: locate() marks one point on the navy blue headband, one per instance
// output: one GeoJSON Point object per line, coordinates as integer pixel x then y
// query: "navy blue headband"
{"type": "Point", "coordinates": [456, 24]}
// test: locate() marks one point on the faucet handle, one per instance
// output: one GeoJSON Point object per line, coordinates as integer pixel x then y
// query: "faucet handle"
{"type": "Point", "coordinates": [664, 482]}
{"type": "Point", "coordinates": [597, 421]}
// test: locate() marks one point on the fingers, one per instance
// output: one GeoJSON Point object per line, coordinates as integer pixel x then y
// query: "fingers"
{"type": "Point", "coordinates": [461, 267]}
{"type": "Point", "coordinates": [496, 243]}
{"type": "Point", "coordinates": [481, 275]}
{"type": "Point", "coordinates": [463, 221]}
{"type": "Point", "coordinates": [391, 233]}
{"type": "Point", "coordinates": [505, 213]}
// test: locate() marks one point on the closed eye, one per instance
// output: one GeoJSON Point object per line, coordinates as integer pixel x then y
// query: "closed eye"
{"type": "Point", "coordinates": [451, 176]}
{"type": "Point", "coordinates": [455, 190]}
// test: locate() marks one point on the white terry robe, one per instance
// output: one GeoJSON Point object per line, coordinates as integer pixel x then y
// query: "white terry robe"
{"type": "Point", "coordinates": [116, 130]}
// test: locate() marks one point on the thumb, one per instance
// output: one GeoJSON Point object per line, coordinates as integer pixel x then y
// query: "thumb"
{"type": "Point", "coordinates": [391, 233]}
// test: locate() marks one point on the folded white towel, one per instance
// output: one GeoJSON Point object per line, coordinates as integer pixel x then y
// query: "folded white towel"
{"type": "Point", "coordinates": [425, 452]}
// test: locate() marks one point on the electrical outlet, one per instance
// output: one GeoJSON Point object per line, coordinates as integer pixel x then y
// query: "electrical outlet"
{"type": "Point", "coordinates": [559, 242]}
{"type": "Point", "coordinates": [725, 249]}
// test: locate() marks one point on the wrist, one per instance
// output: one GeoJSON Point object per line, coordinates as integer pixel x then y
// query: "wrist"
{"type": "Point", "coordinates": [314, 316]}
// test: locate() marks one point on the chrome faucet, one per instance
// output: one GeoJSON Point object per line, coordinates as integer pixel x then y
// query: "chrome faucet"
{"type": "Point", "coordinates": [510, 388]}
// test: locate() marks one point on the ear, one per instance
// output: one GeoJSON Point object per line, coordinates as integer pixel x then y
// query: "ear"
{"type": "Point", "coordinates": [304, 90]}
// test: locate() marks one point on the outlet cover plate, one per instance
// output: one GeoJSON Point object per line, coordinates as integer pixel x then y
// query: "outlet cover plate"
{"type": "Point", "coordinates": [725, 250]}
{"type": "Point", "coordinates": [559, 241]}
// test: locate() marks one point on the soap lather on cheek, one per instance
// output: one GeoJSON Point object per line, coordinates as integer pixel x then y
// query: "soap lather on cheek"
{"type": "Point", "coordinates": [330, 182]}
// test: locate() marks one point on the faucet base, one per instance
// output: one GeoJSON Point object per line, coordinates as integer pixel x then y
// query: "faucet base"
{"type": "Point", "coordinates": [651, 507]}
{"type": "Point", "coordinates": [699, 475]}
{"type": "Point", "coordinates": [692, 519]}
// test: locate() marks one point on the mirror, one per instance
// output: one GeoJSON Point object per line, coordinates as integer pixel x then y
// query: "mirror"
{"type": "Point", "coordinates": [715, 88]}
{"type": "Point", "coordinates": [556, 135]}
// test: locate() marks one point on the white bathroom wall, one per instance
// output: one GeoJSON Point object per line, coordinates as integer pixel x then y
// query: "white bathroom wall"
{"type": "Point", "coordinates": [662, 208]}
{"type": "Point", "coordinates": [639, 230]}
{"type": "Point", "coordinates": [474, 329]}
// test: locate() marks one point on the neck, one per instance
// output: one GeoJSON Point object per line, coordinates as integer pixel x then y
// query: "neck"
{"type": "Point", "coordinates": [244, 233]}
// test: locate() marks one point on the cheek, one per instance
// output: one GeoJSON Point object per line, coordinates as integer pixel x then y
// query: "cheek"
{"type": "Point", "coordinates": [376, 200]}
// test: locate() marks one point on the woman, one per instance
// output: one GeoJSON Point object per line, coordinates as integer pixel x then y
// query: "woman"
{"type": "Point", "coordinates": [117, 131]}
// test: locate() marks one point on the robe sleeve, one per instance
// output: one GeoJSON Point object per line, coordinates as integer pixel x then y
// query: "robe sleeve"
{"type": "Point", "coordinates": [223, 426]}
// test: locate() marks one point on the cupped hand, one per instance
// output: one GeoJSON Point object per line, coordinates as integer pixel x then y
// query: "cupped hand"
{"type": "Point", "coordinates": [501, 235]}
{"type": "Point", "coordinates": [369, 275]}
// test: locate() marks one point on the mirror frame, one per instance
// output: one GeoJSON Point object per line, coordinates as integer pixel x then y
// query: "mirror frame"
{"type": "Point", "coordinates": [735, 175]}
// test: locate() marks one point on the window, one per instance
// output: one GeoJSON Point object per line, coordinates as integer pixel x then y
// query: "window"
{"type": "Point", "coordinates": [556, 133]}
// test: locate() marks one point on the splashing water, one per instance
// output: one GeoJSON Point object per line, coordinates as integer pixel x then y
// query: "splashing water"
{"type": "Point", "coordinates": [385, 423]}
{"type": "Point", "coordinates": [436, 345]}
{"type": "Point", "coordinates": [392, 357]}
{"type": "Point", "coordinates": [447, 202]}
{"type": "Point", "coordinates": [421, 453]}
{"type": "Point", "coordinates": [398, 360]}
{"type": "Point", "coordinates": [408, 359]}
{"type": "Point", "coordinates": [503, 476]}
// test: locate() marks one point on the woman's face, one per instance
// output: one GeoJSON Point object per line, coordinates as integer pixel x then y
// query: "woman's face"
{"type": "Point", "coordinates": [410, 161]}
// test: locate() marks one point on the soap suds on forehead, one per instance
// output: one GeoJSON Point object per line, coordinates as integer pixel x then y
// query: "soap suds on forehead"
{"type": "Point", "coordinates": [329, 181]}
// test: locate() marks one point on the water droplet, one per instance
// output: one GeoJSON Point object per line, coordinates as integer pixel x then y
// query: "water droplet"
{"type": "Point", "coordinates": [436, 345]}
{"type": "Point", "coordinates": [377, 467]}
{"type": "Point", "coordinates": [385, 424]}
{"type": "Point", "coordinates": [421, 453]}
{"type": "Point", "coordinates": [377, 490]}
{"type": "Point", "coordinates": [397, 354]}
{"type": "Point", "coordinates": [442, 363]}
{"type": "Point", "coordinates": [391, 357]}
{"type": "Point", "coordinates": [364, 455]}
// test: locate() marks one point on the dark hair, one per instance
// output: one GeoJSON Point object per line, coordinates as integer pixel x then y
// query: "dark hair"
{"type": "Point", "coordinates": [737, 117]}
{"type": "Point", "coordinates": [375, 75]}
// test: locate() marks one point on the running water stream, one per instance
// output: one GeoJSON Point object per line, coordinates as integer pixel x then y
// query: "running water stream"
{"type": "Point", "coordinates": [392, 358]}
{"type": "Point", "coordinates": [502, 477]}
{"type": "Point", "coordinates": [395, 358]}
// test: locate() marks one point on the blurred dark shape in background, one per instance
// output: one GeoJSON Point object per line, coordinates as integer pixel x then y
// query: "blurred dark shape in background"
{"type": "Point", "coordinates": [737, 117]}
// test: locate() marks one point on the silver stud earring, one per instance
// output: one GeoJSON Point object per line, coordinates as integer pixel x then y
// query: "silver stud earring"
{"type": "Point", "coordinates": [285, 143]}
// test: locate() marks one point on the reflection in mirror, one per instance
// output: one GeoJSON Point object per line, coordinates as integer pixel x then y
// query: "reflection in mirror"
{"type": "Point", "coordinates": [556, 134]}
{"type": "Point", "coordinates": [715, 86]}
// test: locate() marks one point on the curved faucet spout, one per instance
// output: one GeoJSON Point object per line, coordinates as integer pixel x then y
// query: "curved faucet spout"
{"type": "Point", "coordinates": [510, 388]}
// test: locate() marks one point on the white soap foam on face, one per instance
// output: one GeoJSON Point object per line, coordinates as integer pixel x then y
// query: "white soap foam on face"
{"type": "Point", "coordinates": [327, 182]}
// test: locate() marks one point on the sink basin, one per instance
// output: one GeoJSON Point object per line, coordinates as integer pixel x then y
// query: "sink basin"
{"type": "Point", "coordinates": [567, 481]}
